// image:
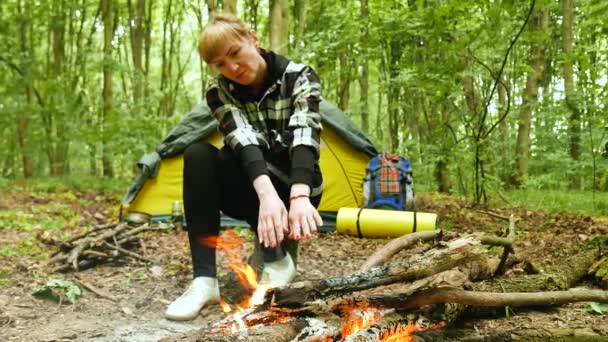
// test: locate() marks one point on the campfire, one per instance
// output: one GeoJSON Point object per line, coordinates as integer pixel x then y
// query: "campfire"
{"type": "Point", "coordinates": [350, 319]}
{"type": "Point", "coordinates": [427, 293]}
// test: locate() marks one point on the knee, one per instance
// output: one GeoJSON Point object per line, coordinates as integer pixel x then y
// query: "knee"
{"type": "Point", "coordinates": [200, 152]}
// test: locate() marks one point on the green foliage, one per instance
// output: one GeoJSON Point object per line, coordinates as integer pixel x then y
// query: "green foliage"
{"type": "Point", "coordinates": [5, 278]}
{"type": "Point", "coordinates": [66, 185]}
{"type": "Point", "coordinates": [580, 202]}
{"type": "Point", "coordinates": [27, 247]}
{"type": "Point", "coordinates": [50, 216]}
{"type": "Point", "coordinates": [598, 242]}
{"type": "Point", "coordinates": [597, 308]}
{"type": "Point", "coordinates": [138, 277]}
{"type": "Point", "coordinates": [59, 290]}
{"type": "Point", "coordinates": [420, 53]}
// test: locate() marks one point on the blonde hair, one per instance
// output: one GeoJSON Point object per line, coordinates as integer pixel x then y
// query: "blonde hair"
{"type": "Point", "coordinates": [220, 29]}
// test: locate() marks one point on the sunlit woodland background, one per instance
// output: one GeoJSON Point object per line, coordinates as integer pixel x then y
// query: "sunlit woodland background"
{"type": "Point", "coordinates": [482, 95]}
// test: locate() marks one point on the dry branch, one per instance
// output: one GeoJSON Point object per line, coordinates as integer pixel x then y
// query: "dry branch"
{"type": "Point", "coordinates": [394, 246]}
{"type": "Point", "coordinates": [300, 296]}
{"type": "Point", "coordinates": [460, 296]}
{"type": "Point", "coordinates": [100, 244]}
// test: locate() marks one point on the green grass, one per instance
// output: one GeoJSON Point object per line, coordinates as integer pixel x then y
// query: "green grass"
{"type": "Point", "coordinates": [52, 216]}
{"type": "Point", "coordinates": [5, 278]}
{"type": "Point", "coordinates": [577, 202]}
{"type": "Point", "coordinates": [117, 186]}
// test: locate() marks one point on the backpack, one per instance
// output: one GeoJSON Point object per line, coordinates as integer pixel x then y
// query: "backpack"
{"type": "Point", "coordinates": [388, 183]}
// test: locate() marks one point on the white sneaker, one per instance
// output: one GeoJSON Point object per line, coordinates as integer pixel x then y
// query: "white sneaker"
{"type": "Point", "coordinates": [278, 273]}
{"type": "Point", "coordinates": [203, 290]}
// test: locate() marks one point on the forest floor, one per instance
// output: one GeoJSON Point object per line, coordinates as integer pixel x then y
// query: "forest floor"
{"type": "Point", "coordinates": [142, 291]}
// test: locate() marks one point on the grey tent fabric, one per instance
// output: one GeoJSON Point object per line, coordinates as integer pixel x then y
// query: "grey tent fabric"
{"type": "Point", "coordinates": [196, 125]}
{"type": "Point", "coordinates": [200, 123]}
{"type": "Point", "coordinates": [148, 166]}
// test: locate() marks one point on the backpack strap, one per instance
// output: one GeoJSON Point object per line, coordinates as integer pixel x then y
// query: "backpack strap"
{"type": "Point", "coordinates": [358, 225]}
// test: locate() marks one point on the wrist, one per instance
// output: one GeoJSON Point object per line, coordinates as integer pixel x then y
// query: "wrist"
{"type": "Point", "coordinates": [299, 189]}
{"type": "Point", "coordinates": [263, 187]}
{"type": "Point", "coordinates": [296, 197]}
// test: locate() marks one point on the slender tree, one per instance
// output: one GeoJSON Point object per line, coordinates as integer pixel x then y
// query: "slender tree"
{"type": "Point", "coordinates": [279, 25]}
{"type": "Point", "coordinates": [23, 120]}
{"type": "Point", "coordinates": [364, 78]}
{"type": "Point", "coordinates": [107, 10]}
{"type": "Point", "coordinates": [570, 89]}
{"type": "Point", "coordinates": [539, 27]}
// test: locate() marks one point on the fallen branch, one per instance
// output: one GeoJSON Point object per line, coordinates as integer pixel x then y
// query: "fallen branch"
{"type": "Point", "coordinates": [129, 253]}
{"type": "Point", "coordinates": [394, 246]}
{"type": "Point", "coordinates": [101, 244]}
{"type": "Point", "coordinates": [489, 213]}
{"type": "Point", "coordinates": [95, 290]}
{"type": "Point", "coordinates": [491, 299]}
{"type": "Point", "coordinates": [300, 296]}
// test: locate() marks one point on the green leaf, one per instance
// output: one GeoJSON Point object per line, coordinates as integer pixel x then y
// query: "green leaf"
{"type": "Point", "coordinates": [597, 308]}
{"type": "Point", "coordinates": [59, 291]}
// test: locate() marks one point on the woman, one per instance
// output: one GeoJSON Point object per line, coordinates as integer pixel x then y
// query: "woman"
{"type": "Point", "coordinates": [267, 108]}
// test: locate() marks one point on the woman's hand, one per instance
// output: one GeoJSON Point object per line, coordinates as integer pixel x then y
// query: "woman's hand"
{"type": "Point", "coordinates": [303, 216]}
{"type": "Point", "coordinates": [272, 216]}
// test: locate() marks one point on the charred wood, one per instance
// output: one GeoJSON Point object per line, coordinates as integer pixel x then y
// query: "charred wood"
{"type": "Point", "coordinates": [300, 296]}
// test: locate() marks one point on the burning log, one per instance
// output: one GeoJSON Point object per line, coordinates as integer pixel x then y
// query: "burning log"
{"type": "Point", "coordinates": [308, 306]}
{"type": "Point", "coordinates": [431, 293]}
{"type": "Point", "coordinates": [393, 327]}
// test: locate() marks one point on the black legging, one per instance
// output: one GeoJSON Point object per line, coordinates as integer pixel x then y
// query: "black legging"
{"type": "Point", "coordinates": [214, 180]}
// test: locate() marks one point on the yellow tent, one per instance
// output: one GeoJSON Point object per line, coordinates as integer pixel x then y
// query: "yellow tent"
{"type": "Point", "coordinates": [345, 152]}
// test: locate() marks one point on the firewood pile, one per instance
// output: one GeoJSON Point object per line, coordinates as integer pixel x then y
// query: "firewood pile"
{"type": "Point", "coordinates": [456, 277]}
{"type": "Point", "coordinates": [101, 244]}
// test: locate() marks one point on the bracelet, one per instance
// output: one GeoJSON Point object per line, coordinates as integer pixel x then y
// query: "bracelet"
{"type": "Point", "coordinates": [297, 196]}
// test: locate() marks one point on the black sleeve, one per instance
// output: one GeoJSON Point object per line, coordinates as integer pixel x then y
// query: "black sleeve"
{"type": "Point", "coordinates": [253, 161]}
{"type": "Point", "coordinates": [302, 165]}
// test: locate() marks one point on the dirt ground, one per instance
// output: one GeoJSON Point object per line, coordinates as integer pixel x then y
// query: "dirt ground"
{"type": "Point", "coordinates": [143, 291]}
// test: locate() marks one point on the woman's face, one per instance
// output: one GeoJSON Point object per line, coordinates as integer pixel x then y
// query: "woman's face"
{"type": "Point", "coordinates": [240, 62]}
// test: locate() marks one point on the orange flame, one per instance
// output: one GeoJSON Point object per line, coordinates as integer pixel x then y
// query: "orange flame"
{"type": "Point", "coordinates": [358, 319]}
{"type": "Point", "coordinates": [404, 334]}
{"type": "Point", "coordinates": [230, 243]}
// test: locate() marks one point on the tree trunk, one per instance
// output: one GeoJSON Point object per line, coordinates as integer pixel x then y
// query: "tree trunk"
{"type": "Point", "coordinates": [503, 133]}
{"type": "Point", "coordinates": [394, 51]}
{"type": "Point", "coordinates": [137, 50]}
{"type": "Point", "coordinates": [212, 6]}
{"type": "Point", "coordinates": [379, 128]}
{"type": "Point", "coordinates": [279, 26]}
{"type": "Point", "coordinates": [345, 78]}
{"type": "Point", "coordinates": [230, 6]}
{"type": "Point", "coordinates": [364, 79]}
{"type": "Point", "coordinates": [442, 176]}
{"type": "Point", "coordinates": [60, 162]}
{"type": "Point", "coordinates": [147, 46]}
{"type": "Point", "coordinates": [107, 93]}
{"type": "Point", "coordinates": [251, 13]}
{"type": "Point", "coordinates": [23, 120]}
{"type": "Point", "coordinates": [570, 89]}
{"type": "Point", "coordinates": [300, 11]}
{"type": "Point", "coordinates": [538, 55]}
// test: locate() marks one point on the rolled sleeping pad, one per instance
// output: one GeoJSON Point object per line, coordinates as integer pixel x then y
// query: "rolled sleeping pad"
{"type": "Point", "coordinates": [377, 223]}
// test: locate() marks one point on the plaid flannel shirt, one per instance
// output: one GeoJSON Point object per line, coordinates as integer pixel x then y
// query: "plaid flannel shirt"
{"type": "Point", "coordinates": [283, 119]}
